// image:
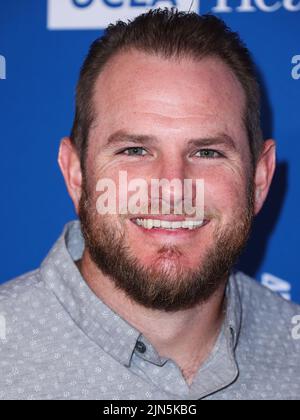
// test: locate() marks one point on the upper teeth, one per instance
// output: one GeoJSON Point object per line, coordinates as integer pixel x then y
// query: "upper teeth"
{"type": "Point", "coordinates": [152, 223]}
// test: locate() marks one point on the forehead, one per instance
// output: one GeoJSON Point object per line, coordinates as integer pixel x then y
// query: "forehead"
{"type": "Point", "coordinates": [138, 91]}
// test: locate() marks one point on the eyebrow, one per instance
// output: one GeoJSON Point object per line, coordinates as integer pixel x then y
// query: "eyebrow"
{"type": "Point", "coordinates": [221, 139]}
{"type": "Point", "coordinates": [121, 136]}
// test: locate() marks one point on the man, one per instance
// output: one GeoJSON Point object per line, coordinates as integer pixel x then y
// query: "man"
{"type": "Point", "coordinates": [148, 306]}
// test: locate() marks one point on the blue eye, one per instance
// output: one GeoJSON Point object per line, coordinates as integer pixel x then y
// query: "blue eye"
{"type": "Point", "coordinates": [209, 154]}
{"type": "Point", "coordinates": [134, 151]}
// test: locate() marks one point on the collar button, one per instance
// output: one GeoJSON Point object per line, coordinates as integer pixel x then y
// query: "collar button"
{"type": "Point", "coordinates": [140, 347]}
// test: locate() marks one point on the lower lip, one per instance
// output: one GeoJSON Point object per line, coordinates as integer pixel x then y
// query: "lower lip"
{"type": "Point", "coordinates": [169, 232]}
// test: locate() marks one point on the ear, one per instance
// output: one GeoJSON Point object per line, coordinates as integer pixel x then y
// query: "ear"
{"type": "Point", "coordinates": [69, 163]}
{"type": "Point", "coordinates": [264, 173]}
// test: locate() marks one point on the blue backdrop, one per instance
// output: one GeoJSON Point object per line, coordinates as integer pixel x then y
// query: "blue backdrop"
{"type": "Point", "coordinates": [42, 45]}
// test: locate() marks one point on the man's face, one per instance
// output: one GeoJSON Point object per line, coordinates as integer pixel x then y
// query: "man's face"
{"type": "Point", "coordinates": [174, 103]}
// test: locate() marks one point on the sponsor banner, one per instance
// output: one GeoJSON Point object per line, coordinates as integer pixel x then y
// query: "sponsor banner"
{"type": "Point", "coordinates": [97, 14]}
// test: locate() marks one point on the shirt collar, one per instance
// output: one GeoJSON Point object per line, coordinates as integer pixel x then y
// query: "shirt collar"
{"type": "Point", "coordinates": [100, 323]}
{"type": "Point", "coordinates": [234, 308]}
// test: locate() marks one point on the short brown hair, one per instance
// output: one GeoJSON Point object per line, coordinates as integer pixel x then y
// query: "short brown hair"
{"type": "Point", "coordinates": [169, 33]}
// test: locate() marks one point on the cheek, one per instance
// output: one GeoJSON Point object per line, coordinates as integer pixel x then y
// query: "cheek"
{"type": "Point", "coordinates": [122, 175]}
{"type": "Point", "coordinates": [112, 170]}
{"type": "Point", "coordinates": [225, 194]}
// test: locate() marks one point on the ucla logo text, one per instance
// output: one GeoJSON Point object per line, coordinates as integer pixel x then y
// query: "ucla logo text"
{"type": "Point", "coordinates": [296, 68]}
{"type": "Point", "coordinates": [98, 14]}
{"type": "Point", "coordinates": [2, 67]}
{"type": "Point", "coordinates": [120, 3]}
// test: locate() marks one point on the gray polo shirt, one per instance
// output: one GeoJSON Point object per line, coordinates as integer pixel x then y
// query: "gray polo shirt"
{"type": "Point", "coordinates": [59, 341]}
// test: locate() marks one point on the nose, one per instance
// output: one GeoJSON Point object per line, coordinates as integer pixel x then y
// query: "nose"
{"type": "Point", "coordinates": [172, 174]}
{"type": "Point", "coordinates": [171, 168]}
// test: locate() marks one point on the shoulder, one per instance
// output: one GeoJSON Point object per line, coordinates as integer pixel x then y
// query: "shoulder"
{"type": "Point", "coordinates": [268, 321]}
{"type": "Point", "coordinates": [25, 304]}
{"type": "Point", "coordinates": [264, 300]}
{"type": "Point", "coordinates": [21, 289]}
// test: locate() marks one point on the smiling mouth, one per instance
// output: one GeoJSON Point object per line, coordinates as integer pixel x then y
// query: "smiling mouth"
{"type": "Point", "coordinates": [169, 225]}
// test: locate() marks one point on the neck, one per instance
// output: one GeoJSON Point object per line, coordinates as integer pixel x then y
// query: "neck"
{"type": "Point", "coordinates": [187, 337]}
